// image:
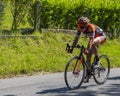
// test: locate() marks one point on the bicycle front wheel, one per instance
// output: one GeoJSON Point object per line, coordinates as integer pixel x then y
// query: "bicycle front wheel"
{"type": "Point", "coordinates": [102, 72]}
{"type": "Point", "coordinates": [74, 73]}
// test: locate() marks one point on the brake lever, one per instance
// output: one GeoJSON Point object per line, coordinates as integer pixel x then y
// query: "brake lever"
{"type": "Point", "coordinates": [68, 45]}
{"type": "Point", "coordinates": [78, 46]}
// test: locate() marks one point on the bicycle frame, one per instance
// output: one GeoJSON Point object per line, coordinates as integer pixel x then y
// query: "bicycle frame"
{"type": "Point", "coordinates": [77, 69]}
{"type": "Point", "coordinates": [81, 57]}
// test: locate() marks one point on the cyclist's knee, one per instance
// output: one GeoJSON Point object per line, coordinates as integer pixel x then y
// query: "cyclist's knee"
{"type": "Point", "coordinates": [94, 45]}
{"type": "Point", "coordinates": [90, 54]}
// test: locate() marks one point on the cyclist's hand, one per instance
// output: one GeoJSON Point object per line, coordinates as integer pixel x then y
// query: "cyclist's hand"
{"type": "Point", "coordinates": [69, 49]}
{"type": "Point", "coordinates": [86, 52]}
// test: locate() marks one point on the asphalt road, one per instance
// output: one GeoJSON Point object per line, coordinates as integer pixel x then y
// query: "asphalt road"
{"type": "Point", "coordinates": [54, 85]}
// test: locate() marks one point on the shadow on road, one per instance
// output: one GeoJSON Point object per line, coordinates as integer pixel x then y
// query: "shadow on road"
{"type": "Point", "coordinates": [56, 90]}
{"type": "Point", "coordinates": [111, 89]}
{"type": "Point", "coordinates": [114, 78]}
{"type": "Point", "coordinates": [9, 95]}
{"type": "Point", "coordinates": [66, 92]}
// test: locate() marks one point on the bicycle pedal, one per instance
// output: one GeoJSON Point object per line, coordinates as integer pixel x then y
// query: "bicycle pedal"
{"type": "Point", "coordinates": [76, 72]}
{"type": "Point", "coordinates": [92, 73]}
{"type": "Point", "coordinates": [86, 80]}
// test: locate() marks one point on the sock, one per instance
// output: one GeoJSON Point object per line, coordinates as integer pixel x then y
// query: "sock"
{"type": "Point", "coordinates": [97, 58]}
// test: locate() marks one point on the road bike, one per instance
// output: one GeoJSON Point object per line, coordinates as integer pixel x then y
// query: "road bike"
{"type": "Point", "coordinates": [77, 69]}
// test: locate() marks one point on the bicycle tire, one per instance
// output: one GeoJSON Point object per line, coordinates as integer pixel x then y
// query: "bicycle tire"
{"type": "Point", "coordinates": [72, 80]}
{"type": "Point", "coordinates": [101, 73]}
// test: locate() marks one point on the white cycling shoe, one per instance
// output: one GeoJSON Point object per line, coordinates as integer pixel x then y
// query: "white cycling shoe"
{"type": "Point", "coordinates": [96, 65]}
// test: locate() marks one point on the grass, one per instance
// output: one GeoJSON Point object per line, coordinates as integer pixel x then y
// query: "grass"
{"type": "Point", "coordinates": [45, 53]}
{"type": "Point", "coordinates": [112, 49]}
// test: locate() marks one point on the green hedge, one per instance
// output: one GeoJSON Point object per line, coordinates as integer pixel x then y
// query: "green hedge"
{"type": "Point", "coordinates": [64, 14]}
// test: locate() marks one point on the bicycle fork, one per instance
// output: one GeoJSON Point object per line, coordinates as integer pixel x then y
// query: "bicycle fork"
{"type": "Point", "coordinates": [77, 69]}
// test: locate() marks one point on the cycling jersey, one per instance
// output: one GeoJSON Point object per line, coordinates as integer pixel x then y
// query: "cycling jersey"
{"type": "Point", "coordinates": [92, 30]}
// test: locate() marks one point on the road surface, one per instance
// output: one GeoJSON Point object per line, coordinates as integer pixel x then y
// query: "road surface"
{"type": "Point", "coordinates": [54, 85]}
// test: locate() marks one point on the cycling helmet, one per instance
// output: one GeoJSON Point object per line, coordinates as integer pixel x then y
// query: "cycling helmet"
{"type": "Point", "coordinates": [83, 20]}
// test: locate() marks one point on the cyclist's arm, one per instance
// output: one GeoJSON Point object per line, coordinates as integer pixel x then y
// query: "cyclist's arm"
{"type": "Point", "coordinates": [76, 38]}
{"type": "Point", "coordinates": [91, 36]}
{"type": "Point", "coordinates": [90, 44]}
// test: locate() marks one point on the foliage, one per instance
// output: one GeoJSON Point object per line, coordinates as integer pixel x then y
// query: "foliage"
{"type": "Point", "coordinates": [35, 15]}
{"type": "Point", "coordinates": [64, 14]}
{"type": "Point", "coordinates": [20, 9]}
{"type": "Point", "coordinates": [1, 14]}
{"type": "Point", "coordinates": [45, 53]}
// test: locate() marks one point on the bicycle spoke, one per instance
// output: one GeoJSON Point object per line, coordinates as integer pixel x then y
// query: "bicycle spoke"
{"type": "Point", "coordinates": [73, 73]}
{"type": "Point", "coordinates": [102, 72]}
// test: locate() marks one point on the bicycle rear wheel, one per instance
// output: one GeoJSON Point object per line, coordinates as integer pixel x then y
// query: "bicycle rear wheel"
{"type": "Point", "coordinates": [74, 73]}
{"type": "Point", "coordinates": [102, 72]}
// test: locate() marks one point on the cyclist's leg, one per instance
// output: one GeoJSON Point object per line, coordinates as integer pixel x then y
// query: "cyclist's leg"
{"type": "Point", "coordinates": [96, 42]}
{"type": "Point", "coordinates": [89, 56]}
{"type": "Point", "coordinates": [88, 70]}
